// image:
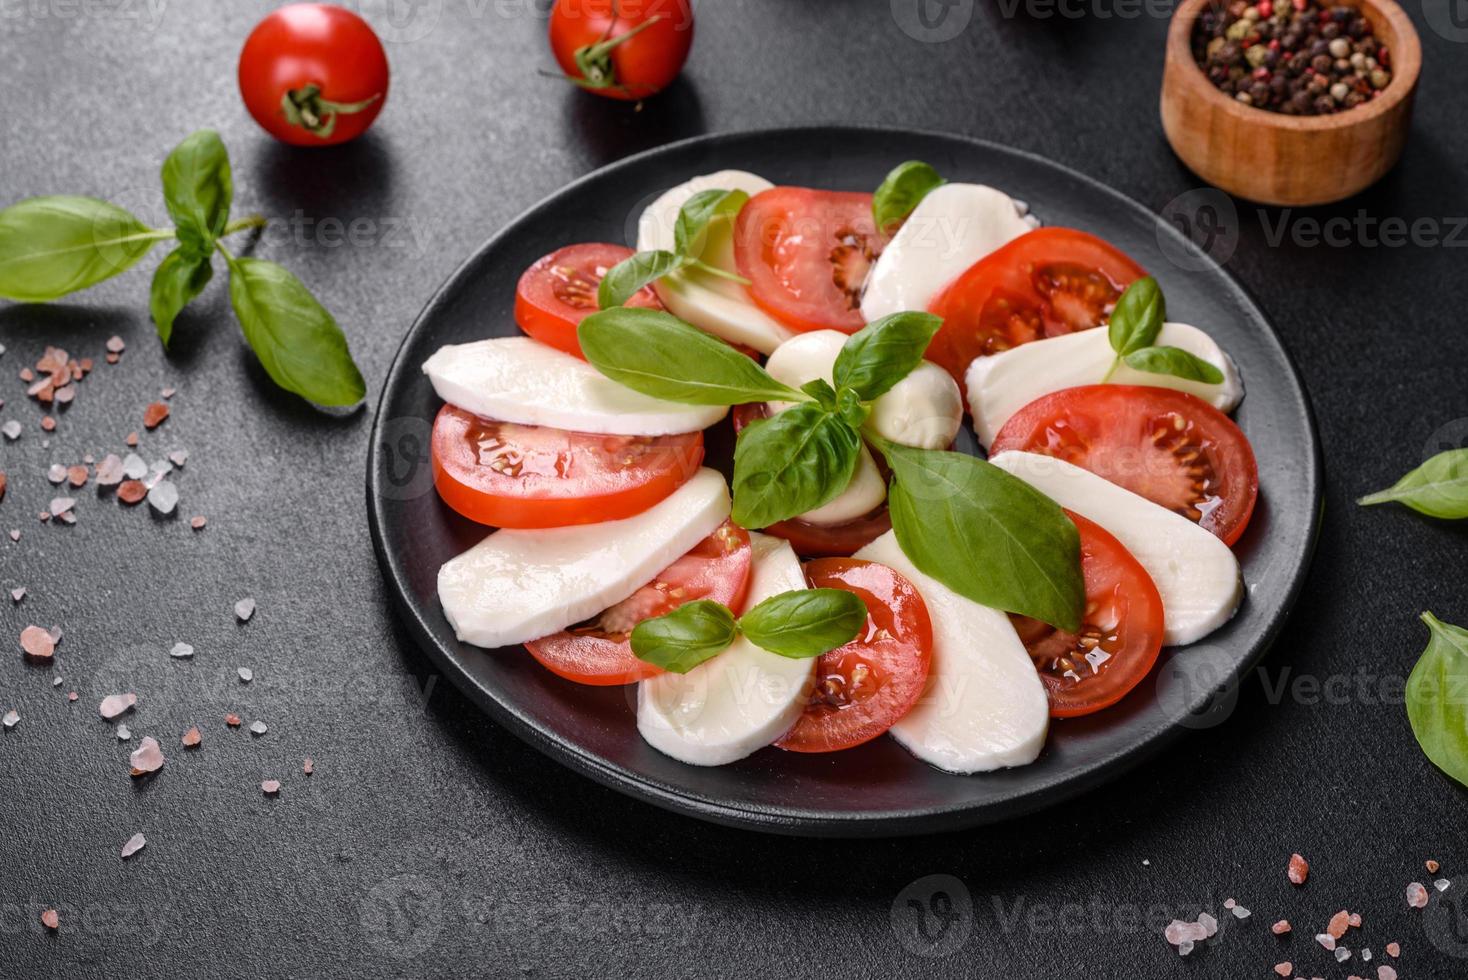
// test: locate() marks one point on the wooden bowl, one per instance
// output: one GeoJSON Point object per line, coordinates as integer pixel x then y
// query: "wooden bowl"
{"type": "Point", "coordinates": [1273, 158]}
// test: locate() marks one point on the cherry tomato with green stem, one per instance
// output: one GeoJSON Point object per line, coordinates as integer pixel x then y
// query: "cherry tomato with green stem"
{"type": "Point", "coordinates": [621, 49]}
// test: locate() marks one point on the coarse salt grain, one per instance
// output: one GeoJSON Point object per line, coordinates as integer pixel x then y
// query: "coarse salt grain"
{"type": "Point", "coordinates": [232, 720]}
{"type": "Point", "coordinates": [181, 651]}
{"type": "Point", "coordinates": [124, 733]}
{"type": "Point", "coordinates": [270, 787]}
{"type": "Point", "coordinates": [147, 757]}
{"type": "Point", "coordinates": [258, 728]}
{"type": "Point", "coordinates": [134, 467]}
{"type": "Point", "coordinates": [1342, 954]}
{"type": "Point", "coordinates": [1393, 949]}
{"type": "Point", "coordinates": [1442, 884]}
{"type": "Point", "coordinates": [1284, 969]}
{"type": "Point", "coordinates": [1431, 866]}
{"type": "Point", "coordinates": [1417, 895]}
{"type": "Point", "coordinates": [114, 705]}
{"type": "Point", "coordinates": [163, 498]}
{"type": "Point", "coordinates": [198, 521]}
{"type": "Point", "coordinates": [192, 738]}
{"type": "Point", "coordinates": [1339, 923]}
{"type": "Point", "coordinates": [155, 415]}
{"type": "Point", "coordinates": [308, 767]}
{"type": "Point", "coordinates": [1299, 869]}
{"type": "Point", "coordinates": [51, 919]}
{"type": "Point", "coordinates": [12, 718]}
{"type": "Point", "coordinates": [1385, 972]}
{"type": "Point", "coordinates": [37, 643]}
{"type": "Point", "coordinates": [134, 844]}
{"type": "Point", "coordinates": [1240, 912]}
{"type": "Point", "coordinates": [244, 609]}
{"type": "Point", "coordinates": [1281, 927]}
{"type": "Point", "coordinates": [115, 344]}
{"type": "Point", "coordinates": [1325, 939]}
{"type": "Point", "coordinates": [246, 674]}
{"type": "Point", "coordinates": [17, 594]}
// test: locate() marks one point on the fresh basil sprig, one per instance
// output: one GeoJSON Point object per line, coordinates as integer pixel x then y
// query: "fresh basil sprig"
{"type": "Point", "coordinates": [1437, 488]}
{"type": "Point", "coordinates": [53, 246]}
{"type": "Point", "coordinates": [799, 624]}
{"type": "Point", "coordinates": [1437, 698]}
{"type": "Point", "coordinates": [624, 279]}
{"type": "Point", "coordinates": [1136, 321]}
{"type": "Point", "coordinates": [884, 352]}
{"type": "Point", "coordinates": [792, 462]}
{"type": "Point", "coordinates": [901, 191]}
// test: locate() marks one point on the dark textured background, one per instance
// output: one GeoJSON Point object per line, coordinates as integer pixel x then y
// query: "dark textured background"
{"type": "Point", "coordinates": [429, 842]}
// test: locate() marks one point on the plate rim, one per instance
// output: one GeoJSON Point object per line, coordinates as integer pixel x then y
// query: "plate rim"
{"type": "Point", "coordinates": [815, 823]}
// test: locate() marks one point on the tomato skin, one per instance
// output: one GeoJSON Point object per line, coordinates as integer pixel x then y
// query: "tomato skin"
{"type": "Point", "coordinates": [806, 254]}
{"type": "Point", "coordinates": [1124, 618]}
{"type": "Point", "coordinates": [866, 686]}
{"type": "Point", "coordinates": [642, 65]}
{"type": "Point", "coordinates": [318, 44]}
{"type": "Point", "coordinates": [600, 656]}
{"type": "Point", "coordinates": [1141, 438]}
{"type": "Point", "coordinates": [558, 291]}
{"type": "Point", "coordinates": [1045, 283]}
{"type": "Point", "coordinates": [470, 456]}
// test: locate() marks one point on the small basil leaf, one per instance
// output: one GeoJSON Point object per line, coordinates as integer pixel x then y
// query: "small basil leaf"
{"type": "Point", "coordinates": [181, 276]}
{"type": "Point", "coordinates": [851, 408]}
{"type": "Point", "coordinates": [198, 189]}
{"type": "Point", "coordinates": [790, 463]}
{"type": "Point", "coordinates": [1437, 488]}
{"type": "Point", "coordinates": [684, 638]}
{"type": "Point", "coordinates": [884, 352]}
{"type": "Point", "coordinates": [901, 191]}
{"type": "Point", "coordinates": [659, 355]}
{"type": "Point", "coordinates": [820, 389]}
{"type": "Point", "coordinates": [1437, 698]}
{"type": "Point", "coordinates": [1137, 318]}
{"type": "Point", "coordinates": [297, 340]}
{"type": "Point", "coordinates": [1174, 361]}
{"type": "Point", "coordinates": [696, 214]}
{"type": "Point", "coordinates": [986, 535]}
{"type": "Point", "coordinates": [806, 622]}
{"type": "Point", "coordinates": [624, 279]}
{"type": "Point", "coordinates": [51, 246]}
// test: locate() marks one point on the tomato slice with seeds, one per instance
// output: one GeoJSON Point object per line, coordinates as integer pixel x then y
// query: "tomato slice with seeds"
{"type": "Point", "coordinates": [559, 291]}
{"type": "Point", "coordinates": [597, 652]}
{"type": "Point", "coordinates": [806, 254]}
{"type": "Point", "coordinates": [866, 686]}
{"type": "Point", "coordinates": [1168, 446]}
{"type": "Point", "coordinates": [1045, 283]}
{"type": "Point", "coordinates": [508, 475]}
{"type": "Point", "coordinates": [1117, 644]}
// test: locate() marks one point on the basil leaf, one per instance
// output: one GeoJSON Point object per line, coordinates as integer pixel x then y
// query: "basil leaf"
{"type": "Point", "coordinates": [624, 279]}
{"type": "Point", "coordinates": [853, 411]}
{"type": "Point", "coordinates": [901, 191]}
{"type": "Point", "coordinates": [181, 276]}
{"type": "Point", "coordinates": [684, 638]}
{"type": "Point", "coordinates": [790, 463]}
{"type": "Point", "coordinates": [198, 189]}
{"type": "Point", "coordinates": [658, 354]}
{"type": "Point", "coordinates": [986, 535]}
{"type": "Point", "coordinates": [1174, 361]}
{"type": "Point", "coordinates": [1437, 488]}
{"type": "Point", "coordinates": [1437, 698]}
{"type": "Point", "coordinates": [298, 343]}
{"type": "Point", "coordinates": [697, 212]}
{"type": "Point", "coordinates": [820, 389]}
{"type": "Point", "coordinates": [51, 246]}
{"type": "Point", "coordinates": [884, 352]}
{"type": "Point", "coordinates": [1137, 318]}
{"type": "Point", "coordinates": [806, 622]}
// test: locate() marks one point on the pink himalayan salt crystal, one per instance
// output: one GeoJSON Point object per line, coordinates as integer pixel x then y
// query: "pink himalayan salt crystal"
{"type": "Point", "coordinates": [1326, 940]}
{"type": "Point", "coordinates": [1281, 927]}
{"type": "Point", "coordinates": [1393, 949]}
{"type": "Point", "coordinates": [270, 787]}
{"type": "Point", "coordinates": [1179, 932]}
{"type": "Point", "coordinates": [1431, 866]}
{"type": "Point", "coordinates": [1385, 972]}
{"type": "Point", "coordinates": [1284, 969]}
{"type": "Point", "coordinates": [1299, 870]}
{"type": "Point", "coordinates": [134, 844]}
{"type": "Point", "coordinates": [115, 704]}
{"type": "Point", "coordinates": [1417, 895]}
{"type": "Point", "coordinates": [51, 919]}
{"type": "Point", "coordinates": [1355, 920]}
{"type": "Point", "coordinates": [147, 757]}
{"type": "Point", "coordinates": [1339, 923]}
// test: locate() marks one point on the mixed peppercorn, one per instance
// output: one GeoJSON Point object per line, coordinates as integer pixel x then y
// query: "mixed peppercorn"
{"type": "Point", "coordinates": [1291, 56]}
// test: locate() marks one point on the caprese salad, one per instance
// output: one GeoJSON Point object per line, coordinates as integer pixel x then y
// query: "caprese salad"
{"type": "Point", "coordinates": [854, 576]}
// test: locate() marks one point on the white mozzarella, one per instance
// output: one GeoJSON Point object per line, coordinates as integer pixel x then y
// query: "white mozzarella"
{"type": "Point", "coordinates": [519, 585]}
{"type": "Point", "coordinates": [741, 700]}
{"type": "Point", "coordinates": [1001, 384]}
{"type": "Point", "coordinates": [985, 707]}
{"type": "Point", "coordinates": [516, 379]}
{"type": "Point", "coordinates": [1196, 573]}
{"type": "Point", "coordinates": [712, 303]}
{"type": "Point", "coordinates": [953, 227]}
{"type": "Point", "coordinates": [862, 495]}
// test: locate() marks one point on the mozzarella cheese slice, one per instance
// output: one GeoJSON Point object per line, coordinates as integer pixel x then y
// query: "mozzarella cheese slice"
{"type": "Point", "coordinates": [1196, 573]}
{"type": "Point", "coordinates": [985, 707]}
{"type": "Point", "coordinates": [711, 303]}
{"type": "Point", "coordinates": [862, 495]}
{"type": "Point", "coordinates": [1001, 384]}
{"type": "Point", "coordinates": [516, 379]}
{"type": "Point", "coordinates": [519, 585]}
{"type": "Point", "coordinates": [953, 227]}
{"type": "Point", "coordinates": [741, 700]}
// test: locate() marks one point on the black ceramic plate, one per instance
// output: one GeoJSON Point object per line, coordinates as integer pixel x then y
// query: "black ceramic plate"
{"type": "Point", "coordinates": [877, 789]}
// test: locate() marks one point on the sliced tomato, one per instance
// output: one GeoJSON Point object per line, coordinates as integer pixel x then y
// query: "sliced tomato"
{"type": "Point", "coordinates": [597, 652]}
{"type": "Point", "coordinates": [1045, 283]}
{"type": "Point", "coordinates": [806, 254]}
{"type": "Point", "coordinates": [559, 291]}
{"type": "Point", "coordinates": [508, 475]}
{"type": "Point", "coordinates": [1119, 641]}
{"type": "Point", "coordinates": [1170, 447]}
{"type": "Point", "coordinates": [862, 688]}
{"type": "Point", "coordinates": [821, 540]}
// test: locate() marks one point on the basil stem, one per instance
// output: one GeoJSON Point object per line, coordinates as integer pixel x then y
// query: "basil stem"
{"type": "Point", "coordinates": [1437, 488]}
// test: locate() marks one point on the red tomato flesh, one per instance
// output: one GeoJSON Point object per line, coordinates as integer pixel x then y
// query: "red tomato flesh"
{"type": "Point", "coordinates": [559, 291]}
{"type": "Point", "coordinates": [1117, 644]}
{"type": "Point", "coordinates": [1168, 446]}
{"type": "Point", "coordinates": [864, 687]}
{"type": "Point", "coordinates": [528, 476]}
{"type": "Point", "coordinates": [598, 653]}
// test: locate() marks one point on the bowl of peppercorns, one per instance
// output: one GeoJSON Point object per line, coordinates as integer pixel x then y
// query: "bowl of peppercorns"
{"type": "Point", "coordinates": [1290, 102]}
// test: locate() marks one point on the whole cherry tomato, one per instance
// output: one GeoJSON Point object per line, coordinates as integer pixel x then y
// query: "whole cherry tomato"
{"type": "Point", "coordinates": [622, 49]}
{"type": "Point", "coordinates": [313, 74]}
